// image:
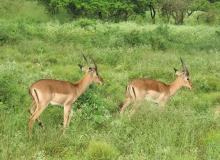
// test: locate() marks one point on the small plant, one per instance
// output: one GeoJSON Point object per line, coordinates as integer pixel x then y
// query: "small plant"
{"type": "Point", "coordinates": [159, 38]}
{"type": "Point", "coordinates": [99, 150]}
{"type": "Point", "coordinates": [85, 23]}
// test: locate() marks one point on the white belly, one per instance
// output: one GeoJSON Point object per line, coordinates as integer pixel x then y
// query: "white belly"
{"type": "Point", "coordinates": [153, 96]}
{"type": "Point", "coordinates": [59, 99]}
{"type": "Point", "coordinates": [55, 103]}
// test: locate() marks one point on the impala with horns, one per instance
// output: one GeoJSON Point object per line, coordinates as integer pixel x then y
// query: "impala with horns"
{"type": "Point", "coordinates": [57, 92]}
{"type": "Point", "coordinates": [156, 91]}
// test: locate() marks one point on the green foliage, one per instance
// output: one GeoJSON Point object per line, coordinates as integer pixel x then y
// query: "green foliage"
{"type": "Point", "coordinates": [102, 9]}
{"type": "Point", "coordinates": [98, 150]}
{"type": "Point", "coordinates": [123, 51]}
{"type": "Point", "coordinates": [170, 11]}
{"type": "Point", "coordinates": [33, 50]}
{"type": "Point", "coordinates": [213, 144]}
{"type": "Point", "coordinates": [10, 92]}
{"type": "Point", "coordinates": [22, 10]}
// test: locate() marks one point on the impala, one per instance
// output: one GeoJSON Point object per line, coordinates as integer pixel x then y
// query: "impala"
{"type": "Point", "coordinates": [156, 91]}
{"type": "Point", "coordinates": [57, 92]}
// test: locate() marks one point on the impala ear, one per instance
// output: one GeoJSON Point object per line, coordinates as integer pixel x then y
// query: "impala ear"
{"type": "Point", "coordinates": [178, 73]}
{"type": "Point", "coordinates": [175, 70]}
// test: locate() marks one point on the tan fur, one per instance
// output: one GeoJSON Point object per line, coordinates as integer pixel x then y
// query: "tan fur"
{"type": "Point", "coordinates": [64, 93]}
{"type": "Point", "coordinates": [153, 90]}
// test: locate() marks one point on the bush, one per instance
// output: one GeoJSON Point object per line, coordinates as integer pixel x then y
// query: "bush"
{"type": "Point", "coordinates": [85, 23]}
{"type": "Point", "coordinates": [159, 38]}
{"type": "Point", "coordinates": [10, 90]}
{"type": "Point", "coordinates": [99, 150]}
{"type": "Point", "coordinates": [22, 10]}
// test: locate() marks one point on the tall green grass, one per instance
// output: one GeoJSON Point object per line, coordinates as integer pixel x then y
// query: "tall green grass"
{"type": "Point", "coordinates": [186, 130]}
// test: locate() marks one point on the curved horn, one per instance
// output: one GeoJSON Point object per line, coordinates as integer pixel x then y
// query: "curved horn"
{"type": "Point", "coordinates": [84, 57]}
{"type": "Point", "coordinates": [184, 67]}
{"type": "Point", "coordinates": [94, 63]}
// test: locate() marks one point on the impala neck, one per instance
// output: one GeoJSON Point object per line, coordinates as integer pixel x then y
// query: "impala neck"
{"type": "Point", "coordinates": [175, 86]}
{"type": "Point", "coordinates": [83, 84]}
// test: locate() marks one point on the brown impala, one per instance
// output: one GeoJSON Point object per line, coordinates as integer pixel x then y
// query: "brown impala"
{"type": "Point", "coordinates": [64, 93]}
{"type": "Point", "coordinates": [156, 91]}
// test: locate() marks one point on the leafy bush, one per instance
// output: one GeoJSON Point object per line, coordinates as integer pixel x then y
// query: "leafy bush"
{"type": "Point", "coordinates": [134, 38]}
{"type": "Point", "coordinates": [22, 10]}
{"type": "Point", "coordinates": [8, 34]}
{"type": "Point", "coordinates": [11, 93]}
{"type": "Point", "coordinates": [99, 150]}
{"type": "Point", "coordinates": [159, 38]}
{"type": "Point", "coordinates": [85, 23]}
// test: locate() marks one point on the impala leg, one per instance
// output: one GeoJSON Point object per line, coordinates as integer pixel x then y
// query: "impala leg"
{"type": "Point", "coordinates": [162, 103]}
{"type": "Point", "coordinates": [32, 110]}
{"type": "Point", "coordinates": [70, 116]}
{"type": "Point", "coordinates": [35, 116]}
{"type": "Point", "coordinates": [125, 104]}
{"type": "Point", "coordinates": [135, 108]}
{"type": "Point", "coordinates": [67, 111]}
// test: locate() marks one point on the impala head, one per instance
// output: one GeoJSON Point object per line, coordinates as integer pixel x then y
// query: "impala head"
{"type": "Point", "coordinates": [92, 71]}
{"type": "Point", "coordinates": [184, 75]}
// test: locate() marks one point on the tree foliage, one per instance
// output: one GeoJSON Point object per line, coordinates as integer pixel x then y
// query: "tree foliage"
{"type": "Point", "coordinates": [117, 10]}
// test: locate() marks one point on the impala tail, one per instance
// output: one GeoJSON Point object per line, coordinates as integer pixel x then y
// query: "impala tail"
{"type": "Point", "coordinates": [130, 94]}
{"type": "Point", "coordinates": [34, 95]}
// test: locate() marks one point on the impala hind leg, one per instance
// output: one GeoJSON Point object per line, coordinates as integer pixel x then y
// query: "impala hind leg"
{"type": "Point", "coordinates": [125, 105]}
{"type": "Point", "coordinates": [32, 110]}
{"type": "Point", "coordinates": [34, 116]}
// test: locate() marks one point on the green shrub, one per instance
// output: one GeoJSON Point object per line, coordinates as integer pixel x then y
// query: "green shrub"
{"type": "Point", "coordinates": [134, 38]}
{"type": "Point", "coordinates": [99, 150]}
{"type": "Point", "coordinates": [85, 23]}
{"type": "Point", "coordinates": [9, 34]}
{"type": "Point", "coordinates": [23, 11]}
{"type": "Point", "coordinates": [211, 144]}
{"type": "Point", "coordinates": [11, 93]}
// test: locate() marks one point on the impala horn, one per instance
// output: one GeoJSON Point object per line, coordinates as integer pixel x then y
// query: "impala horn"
{"type": "Point", "coordinates": [94, 63]}
{"type": "Point", "coordinates": [185, 70]}
{"type": "Point", "coordinates": [84, 57]}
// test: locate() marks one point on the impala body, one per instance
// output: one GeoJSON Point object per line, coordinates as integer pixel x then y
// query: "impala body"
{"type": "Point", "coordinates": [56, 92]}
{"type": "Point", "coordinates": [155, 91]}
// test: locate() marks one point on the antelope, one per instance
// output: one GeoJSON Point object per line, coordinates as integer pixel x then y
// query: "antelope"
{"type": "Point", "coordinates": [58, 92]}
{"type": "Point", "coordinates": [156, 91]}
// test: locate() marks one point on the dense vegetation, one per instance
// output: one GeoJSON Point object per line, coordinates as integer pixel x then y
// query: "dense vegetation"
{"type": "Point", "coordinates": [170, 11]}
{"type": "Point", "coordinates": [34, 46]}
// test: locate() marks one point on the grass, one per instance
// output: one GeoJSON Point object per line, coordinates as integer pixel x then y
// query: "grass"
{"type": "Point", "coordinates": [186, 130]}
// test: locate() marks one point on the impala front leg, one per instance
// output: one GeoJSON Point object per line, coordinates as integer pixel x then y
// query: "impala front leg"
{"type": "Point", "coordinates": [69, 118]}
{"type": "Point", "coordinates": [163, 102]}
{"type": "Point", "coordinates": [67, 111]}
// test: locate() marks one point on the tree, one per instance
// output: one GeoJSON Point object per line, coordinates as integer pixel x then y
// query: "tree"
{"type": "Point", "coordinates": [152, 7]}
{"type": "Point", "coordinates": [178, 9]}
